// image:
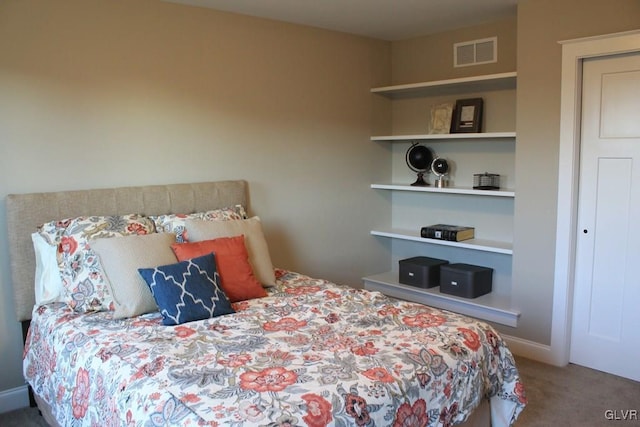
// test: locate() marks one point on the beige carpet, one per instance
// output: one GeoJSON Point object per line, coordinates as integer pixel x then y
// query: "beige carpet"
{"type": "Point", "coordinates": [27, 417]}
{"type": "Point", "coordinates": [575, 396]}
{"type": "Point", "coordinates": [569, 396]}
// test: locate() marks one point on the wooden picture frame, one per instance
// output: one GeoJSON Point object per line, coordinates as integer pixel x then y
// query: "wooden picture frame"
{"type": "Point", "coordinates": [468, 116]}
{"type": "Point", "coordinates": [441, 116]}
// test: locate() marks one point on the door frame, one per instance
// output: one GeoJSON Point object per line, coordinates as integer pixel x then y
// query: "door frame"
{"type": "Point", "coordinates": [573, 53]}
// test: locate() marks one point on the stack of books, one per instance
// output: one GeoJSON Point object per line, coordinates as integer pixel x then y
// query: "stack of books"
{"type": "Point", "coordinates": [453, 233]}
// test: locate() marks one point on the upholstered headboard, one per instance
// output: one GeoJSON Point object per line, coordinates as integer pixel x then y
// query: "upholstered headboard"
{"type": "Point", "coordinates": [27, 211]}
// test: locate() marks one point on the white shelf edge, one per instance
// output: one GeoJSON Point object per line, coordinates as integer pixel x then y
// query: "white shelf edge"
{"type": "Point", "coordinates": [490, 307]}
{"type": "Point", "coordinates": [394, 89]}
{"type": "Point", "coordinates": [474, 244]}
{"type": "Point", "coordinates": [487, 307]}
{"type": "Point", "coordinates": [445, 136]}
{"type": "Point", "coordinates": [449, 190]}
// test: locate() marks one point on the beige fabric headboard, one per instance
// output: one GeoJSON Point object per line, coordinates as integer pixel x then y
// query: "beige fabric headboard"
{"type": "Point", "coordinates": [27, 211]}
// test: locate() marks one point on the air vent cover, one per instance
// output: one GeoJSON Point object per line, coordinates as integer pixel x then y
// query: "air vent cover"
{"type": "Point", "coordinates": [475, 52]}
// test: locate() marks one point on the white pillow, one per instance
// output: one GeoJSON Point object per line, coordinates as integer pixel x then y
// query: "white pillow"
{"type": "Point", "coordinates": [121, 257]}
{"type": "Point", "coordinates": [48, 283]}
{"type": "Point", "coordinates": [251, 228]}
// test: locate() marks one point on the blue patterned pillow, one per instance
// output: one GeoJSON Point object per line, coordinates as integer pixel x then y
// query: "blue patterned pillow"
{"type": "Point", "coordinates": [188, 290]}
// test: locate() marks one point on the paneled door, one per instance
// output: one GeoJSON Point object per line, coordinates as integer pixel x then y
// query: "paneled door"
{"type": "Point", "coordinates": [606, 305]}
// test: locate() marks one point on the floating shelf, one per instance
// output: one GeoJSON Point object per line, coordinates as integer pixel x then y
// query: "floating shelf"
{"type": "Point", "coordinates": [495, 306]}
{"type": "Point", "coordinates": [443, 87]}
{"type": "Point", "coordinates": [446, 190]}
{"type": "Point", "coordinates": [483, 245]}
{"type": "Point", "coordinates": [445, 136]}
{"type": "Point", "coordinates": [491, 307]}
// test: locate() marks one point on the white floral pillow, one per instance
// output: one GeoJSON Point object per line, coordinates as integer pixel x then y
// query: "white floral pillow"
{"type": "Point", "coordinates": [84, 282]}
{"type": "Point", "coordinates": [174, 223]}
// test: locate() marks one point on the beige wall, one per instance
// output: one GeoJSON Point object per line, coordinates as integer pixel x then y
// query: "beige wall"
{"type": "Point", "coordinates": [106, 93]}
{"type": "Point", "coordinates": [541, 24]}
{"type": "Point", "coordinates": [431, 57]}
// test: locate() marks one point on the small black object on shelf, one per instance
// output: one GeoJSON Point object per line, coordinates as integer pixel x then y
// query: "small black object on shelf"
{"type": "Point", "coordinates": [465, 280]}
{"type": "Point", "coordinates": [419, 158]}
{"type": "Point", "coordinates": [440, 167]}
{"type": "Point", "coordinates": [420, 271]}
{"type": "Point", "coordinates": [486, 181]}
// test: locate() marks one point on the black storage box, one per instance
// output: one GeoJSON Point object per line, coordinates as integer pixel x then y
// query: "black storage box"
{"type": "Point", "coordinates": [421, 271]}
{"type": "Point", "coordinates": [465, 280]}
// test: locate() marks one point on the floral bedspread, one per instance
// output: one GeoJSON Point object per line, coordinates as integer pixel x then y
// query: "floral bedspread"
{"type": "Point", "coordinates": [311, 353]}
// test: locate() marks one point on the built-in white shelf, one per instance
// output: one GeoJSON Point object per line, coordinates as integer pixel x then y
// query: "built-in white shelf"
{"type": "Point", "coordinates": [445, 136]}
{"type": "Point", "coordinates": [495, 306]}
{"type": "Point", "coordinates": [446, 190]}
{"type": "Point", "coordinates": [442, 87]}
{"type": "Point", "coordinates": [484, 245]}
{"type": "Point", "coordinates": [490, 307]}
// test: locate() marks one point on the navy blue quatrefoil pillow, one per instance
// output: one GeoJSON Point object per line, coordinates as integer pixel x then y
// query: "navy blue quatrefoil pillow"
{"type": "Point", "coordinates": [187, 291]}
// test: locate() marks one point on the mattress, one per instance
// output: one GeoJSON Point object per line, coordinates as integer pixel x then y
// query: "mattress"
{"type": "Point", "coordinates": [310, 353]}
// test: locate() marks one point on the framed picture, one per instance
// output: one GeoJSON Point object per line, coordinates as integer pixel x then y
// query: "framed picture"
{"type": "Point", "coordinates": [467, 116]}
{"type": "Point", "coordinates": [441, 118]}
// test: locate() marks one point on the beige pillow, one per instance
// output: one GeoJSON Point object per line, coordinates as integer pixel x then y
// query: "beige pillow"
{"type": "Point", "coordinates": [251, 228]}
{"type": "Point", "coordinates": [121, 257]}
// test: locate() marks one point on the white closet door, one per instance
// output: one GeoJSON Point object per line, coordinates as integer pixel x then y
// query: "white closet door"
{"type": "Point", "coordinates": [606, 306]}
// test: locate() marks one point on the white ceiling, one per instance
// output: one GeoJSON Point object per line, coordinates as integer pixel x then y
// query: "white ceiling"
{"type": "Point", "coordinates": [381, 19]}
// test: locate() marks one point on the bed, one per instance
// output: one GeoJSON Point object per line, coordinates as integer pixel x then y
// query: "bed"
{"type": "Point", "coordinates": [298, 351]}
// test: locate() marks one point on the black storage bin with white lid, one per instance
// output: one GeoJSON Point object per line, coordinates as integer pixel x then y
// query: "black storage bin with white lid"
{"type": "Point", "coordinates": [465, 280]}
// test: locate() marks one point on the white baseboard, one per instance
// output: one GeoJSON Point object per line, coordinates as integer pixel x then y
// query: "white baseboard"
{"type": "Point", "coordinates": [14, 398]}
{"type": "Point", "coordinates": [530, 349]}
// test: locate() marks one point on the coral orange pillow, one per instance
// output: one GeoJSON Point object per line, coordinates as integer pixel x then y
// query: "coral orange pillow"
{"type": "Point", "coordinates": [232, 259]}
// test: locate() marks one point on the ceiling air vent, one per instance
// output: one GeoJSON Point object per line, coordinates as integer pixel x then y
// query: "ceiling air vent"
{"type": "Point", "coordinates": [475, 52]}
